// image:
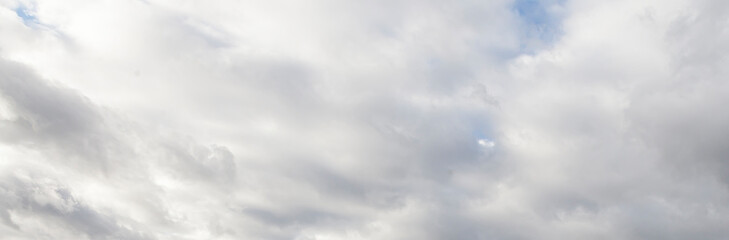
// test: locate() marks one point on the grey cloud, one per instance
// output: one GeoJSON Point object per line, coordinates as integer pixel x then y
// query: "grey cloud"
{"type": "Point", "coordinates": [54, 117]}
{"type": "Point", "coordinates": [360, 120]}
{"type": "Point", "coordinates": [50, 110]}
{"type": "Point", "coordinates": [46, 202]}
{"type": "Point", "coordinates": [683, 116]}
{"type": "Point", "coordinates": [84, 141]}
{"type": "Point", "coordinates": [200, 162]}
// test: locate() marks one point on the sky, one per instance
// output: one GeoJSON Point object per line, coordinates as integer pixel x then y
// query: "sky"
{"type": "Point", "coordinates": [364, 119]}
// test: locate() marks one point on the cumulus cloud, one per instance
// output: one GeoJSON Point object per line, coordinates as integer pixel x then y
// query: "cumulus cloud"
{"type": "Point", "coordinates": [401, 119]}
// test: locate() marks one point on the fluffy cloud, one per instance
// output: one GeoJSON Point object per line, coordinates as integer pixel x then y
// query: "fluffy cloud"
{"type": "Point", "coordinates": [363, 119]}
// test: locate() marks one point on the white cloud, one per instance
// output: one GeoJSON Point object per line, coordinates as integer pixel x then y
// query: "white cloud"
{"type": "Point", "coordinates": [486, 143]}
{"type": "Point", "coordinates": [363, 120]}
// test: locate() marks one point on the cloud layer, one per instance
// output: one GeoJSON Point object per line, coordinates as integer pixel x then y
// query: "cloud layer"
{"type": "Point", "coordinates": [499, 119]}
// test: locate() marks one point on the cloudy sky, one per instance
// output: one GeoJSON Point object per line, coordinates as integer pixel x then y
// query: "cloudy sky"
{"type": "Point", "coordinates": [364, 119]}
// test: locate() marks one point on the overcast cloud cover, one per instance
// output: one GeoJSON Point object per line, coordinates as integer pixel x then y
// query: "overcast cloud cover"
{"type": "Point", "coordinates": [372, 119]}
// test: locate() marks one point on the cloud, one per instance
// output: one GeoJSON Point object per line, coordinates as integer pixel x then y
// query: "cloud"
{"type": "Point", "coordinates": [37, 207]}
{"type": "Point", "coordinates": [363, 120]}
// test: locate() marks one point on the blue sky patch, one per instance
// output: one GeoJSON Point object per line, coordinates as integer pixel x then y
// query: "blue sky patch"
{"type": "Point", "coordinates": [542, 21]}
{"type": "Point", "coordinates": [26, 15]}
{"type": "Point", "coordinates": [533, 12]}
